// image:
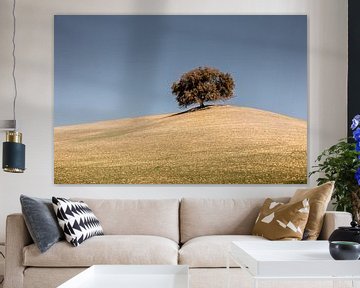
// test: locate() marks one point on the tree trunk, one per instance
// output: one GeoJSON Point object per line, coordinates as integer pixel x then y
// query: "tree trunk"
{"type": "Point", "coordinates": [355, 202]}
{"type": "Point", "coordinates": [201, 104]}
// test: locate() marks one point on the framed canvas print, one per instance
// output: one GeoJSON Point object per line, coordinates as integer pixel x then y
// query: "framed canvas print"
{"type": "Point", "coordinates": [180, 99]}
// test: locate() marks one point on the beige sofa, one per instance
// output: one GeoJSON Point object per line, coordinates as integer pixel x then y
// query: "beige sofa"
{"type": "Point", "coordinates": [194, 232]}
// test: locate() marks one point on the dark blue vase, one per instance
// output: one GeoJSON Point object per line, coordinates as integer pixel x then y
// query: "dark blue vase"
{"type": "Point", "coordinates": [344, 250]}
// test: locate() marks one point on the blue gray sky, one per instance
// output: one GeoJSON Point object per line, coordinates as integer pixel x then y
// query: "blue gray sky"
{"type": "Point", "coordinates": [110, 67]}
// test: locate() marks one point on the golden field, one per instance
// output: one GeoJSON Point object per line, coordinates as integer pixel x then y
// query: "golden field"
{"type": "Point", "coordinates": [215, 145]}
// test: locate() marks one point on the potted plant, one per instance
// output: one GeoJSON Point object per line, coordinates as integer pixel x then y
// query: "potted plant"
{"type": "Point", "coordinates": [341, 163]}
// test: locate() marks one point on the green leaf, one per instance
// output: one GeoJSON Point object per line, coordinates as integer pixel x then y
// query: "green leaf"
{"type": "Point", "coordinates": [338, 163]}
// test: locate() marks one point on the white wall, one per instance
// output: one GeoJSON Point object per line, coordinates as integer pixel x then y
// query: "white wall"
{"type": "Point", "coordinates": [327, 21]}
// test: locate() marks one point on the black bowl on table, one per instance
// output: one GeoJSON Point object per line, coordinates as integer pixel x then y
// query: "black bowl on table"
{"type": "Point", "coordinates": [344, 250]}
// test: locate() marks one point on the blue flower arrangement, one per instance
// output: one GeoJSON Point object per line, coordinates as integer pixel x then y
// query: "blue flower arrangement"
{"type": "Point", "coordinates": [341, 163]}
{"type": "Point", "coordinates": [356, 134]}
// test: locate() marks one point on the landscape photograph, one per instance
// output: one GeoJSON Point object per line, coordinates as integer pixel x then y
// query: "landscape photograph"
{"type": "Point", "coordinates": [180, 99]}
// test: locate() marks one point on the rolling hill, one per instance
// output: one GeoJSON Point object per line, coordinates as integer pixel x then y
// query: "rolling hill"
{"type": "Point", "coordinates": [215, 145]}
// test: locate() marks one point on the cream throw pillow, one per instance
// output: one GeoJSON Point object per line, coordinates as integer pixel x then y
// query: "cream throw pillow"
{"type": "Point", "coordinates": [319, 198]}
{"type": "Point", "coordinates": [279, 221]}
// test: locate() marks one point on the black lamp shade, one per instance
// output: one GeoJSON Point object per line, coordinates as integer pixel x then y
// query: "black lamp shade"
{"type": "Point", "coordinates": [13, 157]}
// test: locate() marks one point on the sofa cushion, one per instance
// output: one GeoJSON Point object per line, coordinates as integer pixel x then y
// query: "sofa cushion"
{"type": "Point", "coordinates": [200, 217]}
{"type": "Point", "coordinates": [76, 220]}
{"type": "Point", "coordinates": [35, 277]}
{"type": "Point", "coordinates": [107, 249]}
{"type": "Point", "coordinates": [41, 221]}
{"type": "Point", "coordinates": [279, 221]}
{"type": "Point", "coordinates": [211, 251]}
{"type": "Point", "coordinates": [319, 198]}
{"type": "Point", "coordinates": [158, 217]}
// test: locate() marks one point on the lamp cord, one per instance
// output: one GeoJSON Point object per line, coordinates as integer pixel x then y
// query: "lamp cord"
{"type": "Point", "coordinates": [14, 61]}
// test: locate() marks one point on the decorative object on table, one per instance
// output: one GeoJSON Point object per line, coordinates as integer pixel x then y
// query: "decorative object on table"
{"type": "Point", "coordinates": [319, 198]}
{"type": "Point", "coordinates": [41, 221]}
{"type": "Point", "coordinates": [341, 163]}
{"type": "Point", "coordinates": [13, 149]}
{"type": "Point", "coordinates": [344, 250]}
{"type": "Point", "coordinates": [351, 233]}
{"type": "Point", "coordinates": [279, 221]}
{"type": "Point", "coordinates": [135, 133]}
{"type": "Point", "coordinates": [77, 220]}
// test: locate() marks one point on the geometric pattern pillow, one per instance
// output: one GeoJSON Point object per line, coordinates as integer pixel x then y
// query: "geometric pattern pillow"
{"type": "Point", "coordinates": [279, 221]}
{"type": "Point", "coordinates": [77, 220]}
{"type": "Point", "coordinates": [319, 198]}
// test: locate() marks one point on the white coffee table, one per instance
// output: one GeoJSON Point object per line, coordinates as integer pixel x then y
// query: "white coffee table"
{"type": "Point", "coordinates": [292, 260]}
{"type": "Point", "coordinates": [131, 276]}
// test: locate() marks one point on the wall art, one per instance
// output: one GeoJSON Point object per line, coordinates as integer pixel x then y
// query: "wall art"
{"type": "Point", "coordinates": [180, 99]}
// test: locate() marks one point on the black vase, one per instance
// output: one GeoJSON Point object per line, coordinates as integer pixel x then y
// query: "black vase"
{"type": "Point", "coordinates": [350, 234]}
{"type": "Point", "coordinates": [343, 250]}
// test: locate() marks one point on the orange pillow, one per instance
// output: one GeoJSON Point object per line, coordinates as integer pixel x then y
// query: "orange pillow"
{"type": "Point", "coordinates": [319, 198]}
{"type": "Point", "coordinates": [279, 221]}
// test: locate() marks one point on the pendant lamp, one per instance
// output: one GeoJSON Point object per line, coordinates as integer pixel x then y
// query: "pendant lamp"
{"type": "Point", "coordinates": [13, 160]}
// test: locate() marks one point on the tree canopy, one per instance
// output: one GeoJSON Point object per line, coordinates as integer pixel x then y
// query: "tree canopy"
{"type": "Point", "coordinates": [201, 85]}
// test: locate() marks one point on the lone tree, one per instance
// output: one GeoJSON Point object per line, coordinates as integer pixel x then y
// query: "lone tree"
{"type": "Point", "coordinates": [201, 85]}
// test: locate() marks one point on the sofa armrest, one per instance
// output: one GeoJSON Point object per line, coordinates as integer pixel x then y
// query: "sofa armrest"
{"type": "Point", "coordinates": [17, 237]}
{"type": "Point", "coordinates": [333, 220]}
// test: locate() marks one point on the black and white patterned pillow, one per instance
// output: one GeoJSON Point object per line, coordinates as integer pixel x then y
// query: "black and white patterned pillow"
{"type": "Point", "coordinates": [77, 220]}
